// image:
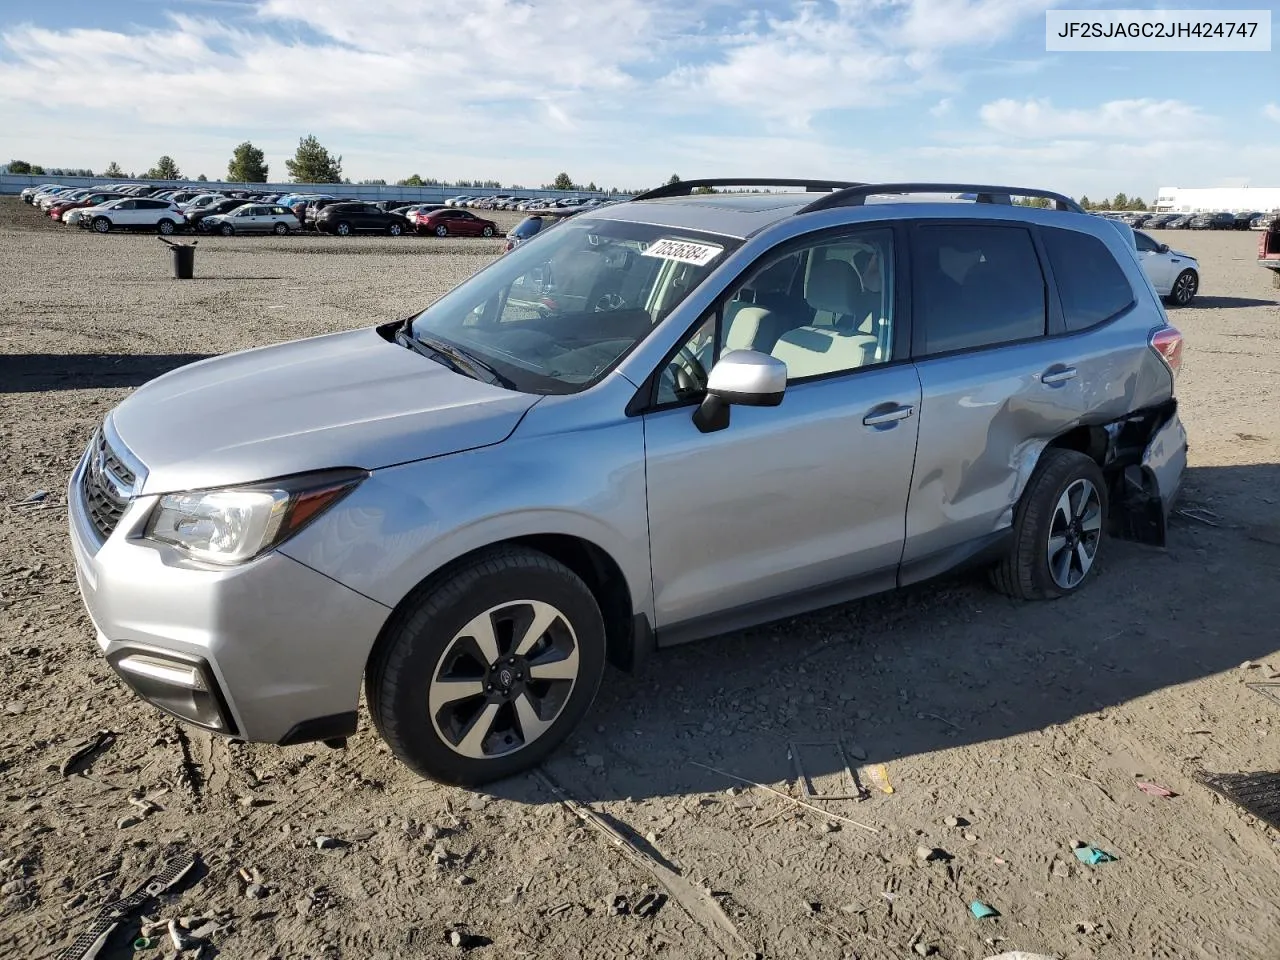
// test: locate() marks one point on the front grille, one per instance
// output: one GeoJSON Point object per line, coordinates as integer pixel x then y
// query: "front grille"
{"type": "Point", "coordinates": [107, 485]}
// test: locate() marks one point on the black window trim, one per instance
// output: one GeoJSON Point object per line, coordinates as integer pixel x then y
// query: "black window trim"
{"type": "Point", "coordinates": [645, 399]}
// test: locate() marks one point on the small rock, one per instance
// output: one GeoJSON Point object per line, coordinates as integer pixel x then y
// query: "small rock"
{"type": "Point", "coordinates": [971, 836]}
{"type": "Point", "coordinates": [1085, 927]}
{"type": "Point", "coordinates": [460, 939]}
{"type": "Point", "coordinates": [250, 801]}
{"type": "Point", "coordinates": [594, 761]}
{"type": "Point", "coordinates": [1248, 665]}
{"type": "Point", "coordinates": [124, 823]}
{"type": "Point", "coordinates": [1061, 869]}
{"type": "Point", "coordinates": [828, 826]}
{"type": "Point", "coordinates": [732, 792]}
{"type": "Point", "coordinates": [956, 822]}
{"type": "Point", "coordinates": [325, 843]}
{"type": "Point", "coordinates": [255, 891]}
{"type": "Point", "coordinates": [930, 854]}
{"type": "Point", "coordinates": [463, 880]}
{"type": "Point", "coordinates": [476, 802]}
{"type": "Point", "coordinates": [924, 949]}
{"type": "Point", "coordinates": [651, 837]}
{"type": "Point", "coordinates": [15, 707]}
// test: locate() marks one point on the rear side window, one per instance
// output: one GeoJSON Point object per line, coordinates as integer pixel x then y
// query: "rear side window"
{"type": "Point", "coordinates": [1090, 283]}
{"type": "Point", "coordinates": [976, 286]}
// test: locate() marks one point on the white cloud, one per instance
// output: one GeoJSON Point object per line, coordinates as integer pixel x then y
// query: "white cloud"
{"type": "Point", "coordinates": [1039, 119]}
{"type": "Point", "coordinates": [1272, 112]}
{"type": "Point", "coordinates": [941, 108]}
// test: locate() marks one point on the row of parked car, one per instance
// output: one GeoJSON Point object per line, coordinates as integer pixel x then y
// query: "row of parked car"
{"type": "Point", "coordinates": [1252, 220]}
{"type": "Point", "coordinates": [109, 207]}
{"type": "Point", "coordinates": [528, 203]}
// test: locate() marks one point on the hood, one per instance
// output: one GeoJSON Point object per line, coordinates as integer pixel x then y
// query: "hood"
{"type": "Point", "coordinates": [340, 400]}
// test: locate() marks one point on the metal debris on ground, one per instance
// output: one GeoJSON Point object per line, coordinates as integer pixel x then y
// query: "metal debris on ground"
{"type": "Point", "coordinates": [37, 501]}
{"type": "Point", "coordinates": [86, 751]}
{"type": "Point", "coordinates": [1269, 690]}
{"type": "Point", "coordinates": [90, 943]}
{"type": "Point", "coordinates": [1200, 515]}
{"type": "Point", "coordinates": [1023, 955]}
{"type": "Point", "coordinates": [848, 788]}
{"type": "Point", "coordinates": [648, 905]}
{"type": "Point", "coordinates": [1258, 794]}
{"type": "Point", "coordinates": [618, 906]}
{"type": "Point", "coordinates": [1093, 855]}
{"type": "Point", "coordinates": [779, 793]}
{"type": "Point", "coordinates": [982, 910]}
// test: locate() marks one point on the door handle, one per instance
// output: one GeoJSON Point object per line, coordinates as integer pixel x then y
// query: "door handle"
{"type": "Point", "coordinates": [1056, 375]}
{"type": "Point", "coordinates": [889, 415]}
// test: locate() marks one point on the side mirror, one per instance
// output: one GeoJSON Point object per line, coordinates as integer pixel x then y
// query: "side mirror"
{"type": "Point", "coordinates": [744, 377]}
{"type": "Point", "coordinates": [1163, 248]}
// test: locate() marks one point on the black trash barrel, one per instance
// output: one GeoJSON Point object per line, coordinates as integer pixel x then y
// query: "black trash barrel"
{"type": "Point", "coordinates": [184, 259]}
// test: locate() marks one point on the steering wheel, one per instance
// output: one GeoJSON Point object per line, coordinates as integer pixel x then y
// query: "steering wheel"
{"type": "Point", "coordinates": [688, 375]}
{"type": "Point", "coordinates": [610, 301]}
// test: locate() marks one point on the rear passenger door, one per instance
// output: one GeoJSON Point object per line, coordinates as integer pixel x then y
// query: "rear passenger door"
{"type": "Point", "coordinates": [995, 385]}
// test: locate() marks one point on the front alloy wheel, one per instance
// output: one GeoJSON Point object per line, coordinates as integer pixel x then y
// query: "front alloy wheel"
{"type": "Point", "coordinates": [503, 679]}
{"type": "Point", "coordinates": [488, 667]}
{"type": "Point", "coordinates": [344, 229]}
{"type": "Point", "coordinates": [1185, 287]}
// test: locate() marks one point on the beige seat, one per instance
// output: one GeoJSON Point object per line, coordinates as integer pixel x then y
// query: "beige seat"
{"type": "Point", "coordinates": [812, 351]}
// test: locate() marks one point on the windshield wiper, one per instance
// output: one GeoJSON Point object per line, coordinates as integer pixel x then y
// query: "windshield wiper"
{"type": "Point", "coordinates": [454, 357]}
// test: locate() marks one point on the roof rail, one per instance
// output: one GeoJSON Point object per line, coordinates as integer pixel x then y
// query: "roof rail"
{"type": "Point", "coordinates": [682, 188]}
{"type": "Point", "coordinates": [856, 194]}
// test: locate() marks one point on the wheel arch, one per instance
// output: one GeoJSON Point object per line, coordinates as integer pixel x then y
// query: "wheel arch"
{"type": "Point", "coordinates": [628, 634]}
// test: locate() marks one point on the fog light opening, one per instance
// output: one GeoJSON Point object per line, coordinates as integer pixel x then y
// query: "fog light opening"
{"type": "Point", "coordinates": [183, 688]}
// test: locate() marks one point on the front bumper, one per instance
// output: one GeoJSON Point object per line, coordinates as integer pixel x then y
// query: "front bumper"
{"type": "Point", "coordinates": [269, 650]}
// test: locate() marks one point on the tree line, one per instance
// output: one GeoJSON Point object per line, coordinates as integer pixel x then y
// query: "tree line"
{"type": "Point", "coordinates": [1118, 202]}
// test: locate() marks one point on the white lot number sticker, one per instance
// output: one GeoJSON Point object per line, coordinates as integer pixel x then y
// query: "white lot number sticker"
{"type": "Point", "coordinates": [684, 251]}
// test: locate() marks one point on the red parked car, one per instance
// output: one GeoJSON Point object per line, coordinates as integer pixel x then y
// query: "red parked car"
{"type": "Point", "coordinates": [92, 200]}
{"type": "Point", "coordinates": [454, 223]}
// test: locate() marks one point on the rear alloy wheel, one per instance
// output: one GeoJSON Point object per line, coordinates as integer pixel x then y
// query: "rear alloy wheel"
{"type": "Point", "coordinates": [1185, 288]}
{"type": "Point", "coordinates": [393, 230]}
{"type": "Point", "coordinates": [487, 231]}
{"type": "Point", "coordinates": [166, 227]}
{"type": "Point", "coordinates": [280, 229]}
{"type": "Point", "coordinates": [343, 229]}
{"type": "Point", "coordinates": [1058, 529]}
{"type": "Point", "coordinates": [490, 669]}
{"type": "Point", "coordinates": [442, 231]}
{"type": "Point", "coordinates": [101, 224]}
{"type": "Point", "coordinates": [227, 230]}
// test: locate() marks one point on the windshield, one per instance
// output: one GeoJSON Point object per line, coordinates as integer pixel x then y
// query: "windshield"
{"type": "Point", "coordinates": [558, 312]}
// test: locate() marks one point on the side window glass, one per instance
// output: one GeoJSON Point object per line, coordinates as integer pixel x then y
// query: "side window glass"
{"type": "Point", "coordinates": [684, 378]}
{"type": "Point", "coordinates": [976, 286]}
{"type": "Point", "coordinates": [1145, 244]}
{"type": "Point", "coordinates": [1090, 283]}
{"type": "Point", "coordinates": [824, 308]}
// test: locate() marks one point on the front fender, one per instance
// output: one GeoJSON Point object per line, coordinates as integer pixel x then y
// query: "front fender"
{"type": "Point", "coordinates": [406, 522]}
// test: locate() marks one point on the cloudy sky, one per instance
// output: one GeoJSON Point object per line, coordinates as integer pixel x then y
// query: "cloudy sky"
{"type": "Point", "coordinates": [625, 92]}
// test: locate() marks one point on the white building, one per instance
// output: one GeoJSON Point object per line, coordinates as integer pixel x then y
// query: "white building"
{"type": "Point", "coordinates": [1214, 199]}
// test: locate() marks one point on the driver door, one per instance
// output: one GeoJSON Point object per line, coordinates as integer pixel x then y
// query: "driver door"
{"type": "Point", "coordinates": [792, 507]}
{"type": "Point", "coordinates": [1156, 264]}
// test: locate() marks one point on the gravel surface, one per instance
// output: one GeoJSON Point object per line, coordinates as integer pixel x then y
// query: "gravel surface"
{"type": "Point", "coordinates": [1010, 732]}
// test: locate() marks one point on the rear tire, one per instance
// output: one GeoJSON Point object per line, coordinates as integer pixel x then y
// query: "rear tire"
{"type": "Point", "coordinates": [487, 231]}
{"type": "Point", "coordinates": [394, 230]}
{"type": "Point", "coordinates": [442, 231]}
{"type": "Point", "coordinates": [166, 227]}
{"type": "Point", "coordinates": [459, 709]}
{"type": "Point", "coordinates": [1029, 571]}
{"type": "Point", "coordinates": [280, 229]}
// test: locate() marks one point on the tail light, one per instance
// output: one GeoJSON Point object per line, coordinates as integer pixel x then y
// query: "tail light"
{"type": "Point", "coordinates": [1167, 341]}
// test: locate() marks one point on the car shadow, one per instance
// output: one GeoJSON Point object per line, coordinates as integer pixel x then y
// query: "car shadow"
{"type": "Point", "coordinates": [939, 665]}
{"type": "Point", "coordinates": [1224, 303]}
{"type": "Point", "coordinates": [36, 372]}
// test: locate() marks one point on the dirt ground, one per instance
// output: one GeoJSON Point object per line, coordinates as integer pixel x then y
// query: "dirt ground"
{"type": "Point", "coordinates": [1028, 725]}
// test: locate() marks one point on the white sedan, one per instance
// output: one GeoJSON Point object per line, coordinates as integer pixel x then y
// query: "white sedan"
{"type": "Point", "coordinates": [1175, 275]}
{"type": "Point", "coordinates": [133, 213]}
{"type": "Point", "coordinates": [253, 218]}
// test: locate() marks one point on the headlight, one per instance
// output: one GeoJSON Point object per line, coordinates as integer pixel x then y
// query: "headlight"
{"type": "Point", "coordinates": [235, 524]}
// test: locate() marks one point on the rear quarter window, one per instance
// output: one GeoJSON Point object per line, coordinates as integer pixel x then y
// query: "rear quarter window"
{"type": "Point", "coordinates": [1090, 283]}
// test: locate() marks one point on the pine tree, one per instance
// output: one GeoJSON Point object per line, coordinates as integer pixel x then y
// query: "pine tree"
{"type": "Point", "coordinates": [313, 164]}
{"type": "Point", "coordinates": [248, 165]}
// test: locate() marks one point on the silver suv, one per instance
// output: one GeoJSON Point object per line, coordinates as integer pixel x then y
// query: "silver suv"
{"type": "Point", "coordinates": [667, 418]}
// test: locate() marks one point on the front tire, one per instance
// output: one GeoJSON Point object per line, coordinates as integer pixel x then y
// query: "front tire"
{"type": "Point", "coordinates": [227, 230]}
{"type": "Point", "coordinates": [393, 230]}
{"type": "Point", "coordinates": [487, 231]}
{"type": "Point", "coordinates": [485, 671]}
{"type": "Point", "coordinates": [1184, 288]}
{"type": "Point", "coordinates": [343, 229]}
{"type": "Point", "coordinates": [280, 229]}
{"type": "Point", "coordinates": [101, 225]}
{"type": "Point", "coordinates": [442, 231]}
{"type": "Point", "coordinates": [1058, 529]}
